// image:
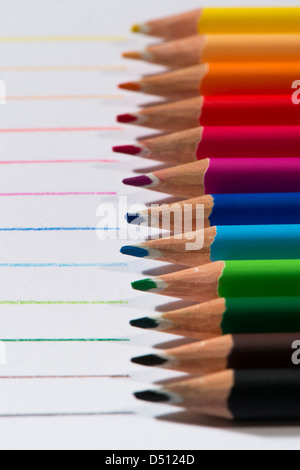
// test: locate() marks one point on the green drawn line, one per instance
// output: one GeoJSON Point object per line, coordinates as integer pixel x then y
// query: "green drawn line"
{"type": "Point", "coordinates": [63, 340]}
{"type": "Point", "coordinates": [63, 302]}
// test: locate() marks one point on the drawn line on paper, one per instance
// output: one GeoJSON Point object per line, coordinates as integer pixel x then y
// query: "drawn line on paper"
{"type": "Point", "coordinates": [63, 97]}
{"type": "Point", "coordinates": [64, 302]}
{"type": "Point", "coordinates": [64, 340]}
{"type": "Point", "coordinates": [46, 377]}
{"type": "Point", "coordinates": [67, 415]}
{"type": "Point", "coordinates": [107, 38]}
{"type": "Point", "coordinates": [62, 265]}
{"type": "Point", "coordinates": [65, 68]}
{"type": "Point", "coordinates": [46, 162]}
{"type": "Point", "coordinates": [60, 129]}
{"type": "Point", "coordinates": [100, 193]}
{"type": "Point", "coordinates": [53, 229]}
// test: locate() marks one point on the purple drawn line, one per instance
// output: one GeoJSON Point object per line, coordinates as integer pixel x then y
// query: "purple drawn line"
{"type": "Point", "coordinates": [60, 194]}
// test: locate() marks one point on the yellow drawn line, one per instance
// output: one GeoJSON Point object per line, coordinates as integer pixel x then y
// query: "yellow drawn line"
{"type": "Point", "coordinates": [62, 38]}
{"type": "Point", "coordinates": [70, 68]}
{"type": "Point", "coordinates": [64, 97]}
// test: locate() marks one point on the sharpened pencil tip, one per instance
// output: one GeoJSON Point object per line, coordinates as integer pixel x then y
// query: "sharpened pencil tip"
{"type": "Point", "coordinates": [136, 251]}
{"type": "Point", "coordinates": [131, 86]}
{"type": "Point", "coordinates": [145, 323]}
{"type": "Point", "coordinates": [145, 285]}
{"type": "Point", "coordinates": [133, 218]}
{"type": "Point", "coordinates": [151, 360]}
{"type": "Point", "coordinates": [138, 181]}
{"type": "Point", "coordinates": [128, 149]}
{"type": "Point", "coordinates": [132, 55]}
{"type": "Point", "coordinates": [126, 118]}
{"type": "Point", "coordinates": [136, 28]}
{"type": "Point", "coordinates": [153, 396]}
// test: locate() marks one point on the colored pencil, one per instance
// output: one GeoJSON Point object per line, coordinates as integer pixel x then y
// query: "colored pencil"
{"type": "Point", "coordinates": [223, 209]}
{"type": "Point", "coordinates": [259, 278]}
{"type": "Point", "coordinates": [226, 78]}
{"type": "Point", "coordinates": [199, 49]}
{"type": "Point", "coordinates": [260, 351]}
{"type": "Point", "coordinates": [235, 394]}
{"type": "Point", "coordinates": [219, 142]}
{"type": "Point", "coordinates": [261, 110]}
{"type": "Point", "coordinates": [240, 242]}
{"type": "Point", "coordinates": [224, 175]}
{"type": "Point", "coordinates": [223, 20]}
{"type": "Point", "coordinates": [237, 315]}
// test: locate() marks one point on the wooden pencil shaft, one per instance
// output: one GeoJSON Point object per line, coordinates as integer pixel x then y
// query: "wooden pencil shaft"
{"type": "Point", "coordinates": [242, 394]}
{"type": "Point", "coordinates": [261, 110]}
{"type": "Point", "coordinates": [199, 49]}
{"type": "Point", "coordinates": [238, 78]}
{"type": "Point", "coordinates": [254, 351]}
{"type": "Point", "coordinates": [225, 21]}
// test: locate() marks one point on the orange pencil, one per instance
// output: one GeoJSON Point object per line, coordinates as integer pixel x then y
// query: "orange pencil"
{"type": "Point", "coordinates": [199, 49]}
{"type": "Point", "coordinates": [221, 78]}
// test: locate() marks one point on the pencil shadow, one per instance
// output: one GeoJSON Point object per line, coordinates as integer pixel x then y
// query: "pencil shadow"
{"type": "Point", "coordinates": [176, 343]}
{"type": "Point", "coordinates": [152, 136]}
{"type": "Point", "coordinates": [166, 200]}
{"type": "Point", "coordinates": [270, 428]}
{"type": "Point", "coordinates": [176, 305]}
{"type": "Point", "coordinates": [156, 103]}
{"type": "Point", "coordinates": [162, 270]}
{"type": "Point", "coordinates": [158, 167]}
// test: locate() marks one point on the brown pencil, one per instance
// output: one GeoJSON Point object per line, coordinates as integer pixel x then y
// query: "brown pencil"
{"type": "Point", "coordinates": [199, 49]}
{"type": "Point", "coordinates": [235, 394]}
{"type": "Point", "coordinates": [258, 351]}
{"type": "Point", "coordinates": [240, 315]}
{"type": "Point", "coordinates": [226, 78]}
{"type": "Point", "coordinates": [261, 110]}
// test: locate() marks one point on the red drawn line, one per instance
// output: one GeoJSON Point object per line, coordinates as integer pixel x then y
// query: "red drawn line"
{"type": "Point", "coordinates": [61, 129]}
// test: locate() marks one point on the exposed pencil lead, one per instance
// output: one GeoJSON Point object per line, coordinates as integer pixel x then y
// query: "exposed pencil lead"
{"type": "Point", "coordinates": [139, 181]}
{"type": "Point", "coordinates": [136, 28]}
{"type": "Point", "coordinates": [145, 285]}
{"type": "Point", "coordinates": [153, 396]}
{"type": "Point", "coordinates": [132, 55]}
{"type": "Point", "coordinates": [132, 218]}
{"type": "Point", "coordinates": [151, 360]}
{"type": "Point", "coordinates": [131, 86]}
{"type": "Point", "coordinates": [145, 323]}
{"type": "Point", "coordinates": [126, 118]}
{"type": "Point", "coordinates": [128, 149]}
{"type": "Point", "coordinates": [134, 250]}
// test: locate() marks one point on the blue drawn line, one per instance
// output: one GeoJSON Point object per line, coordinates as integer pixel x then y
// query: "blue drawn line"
{"type": "Point", "coordinates": [61, 265]}
{"type": "Point", "coordinates": [52, 229]}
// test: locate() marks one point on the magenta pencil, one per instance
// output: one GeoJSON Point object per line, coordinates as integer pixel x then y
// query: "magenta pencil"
{"type": "Point", "coordinates": [225, 176]}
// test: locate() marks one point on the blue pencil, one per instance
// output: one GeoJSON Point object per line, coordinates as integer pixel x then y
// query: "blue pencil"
{"type": "Point", "coordinates": [222, 243]}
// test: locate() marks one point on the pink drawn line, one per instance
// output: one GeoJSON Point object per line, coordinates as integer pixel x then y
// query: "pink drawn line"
{"type": "Point", "coordinates": [61, 194]}
{"type": "Point", "coordinates": [62, 129]}
{"type": "Point", "coordinates": [33, 162]}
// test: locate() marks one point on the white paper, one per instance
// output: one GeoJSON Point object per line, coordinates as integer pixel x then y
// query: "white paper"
{"type": "Point", "coordinates": [65, 294]}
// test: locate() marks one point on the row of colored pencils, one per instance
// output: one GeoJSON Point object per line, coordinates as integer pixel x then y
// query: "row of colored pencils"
{"type": "Point", "coordinates": [233, 132]}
